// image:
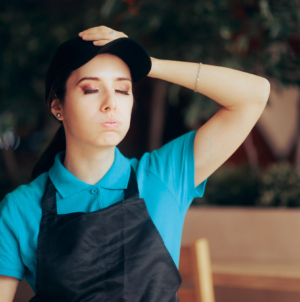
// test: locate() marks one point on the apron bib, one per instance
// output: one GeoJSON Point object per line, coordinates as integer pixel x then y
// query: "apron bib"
{"type": "Point", "coordinates": [115, 254]}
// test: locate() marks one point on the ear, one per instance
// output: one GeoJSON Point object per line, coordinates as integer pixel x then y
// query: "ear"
{"type": "Point", "coordinates": [57, 108]}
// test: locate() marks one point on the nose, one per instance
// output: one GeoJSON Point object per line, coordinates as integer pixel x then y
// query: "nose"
{"type": "Point", "coordinates": [109, 101]}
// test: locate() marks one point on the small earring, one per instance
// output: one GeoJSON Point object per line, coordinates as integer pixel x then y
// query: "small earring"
{"type": "Point", "coordinates": [58, 115]}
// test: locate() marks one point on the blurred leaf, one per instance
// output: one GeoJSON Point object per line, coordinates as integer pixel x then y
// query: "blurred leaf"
{"type": "Point", "coordinates": [280, 186]}
{"type": "Point", "coordinates": [276, 186]}
{"type": "Point", "coordinates": [200, 108]}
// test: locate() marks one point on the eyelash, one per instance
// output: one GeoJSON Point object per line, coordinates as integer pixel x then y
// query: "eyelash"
{"type": "Point", "coordinates": [121, 91]}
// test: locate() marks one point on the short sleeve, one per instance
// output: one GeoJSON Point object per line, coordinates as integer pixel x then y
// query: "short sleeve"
{"type": "Point", "coordinates": [174, 164]}
{"type": "Point", "coordinates": [10, 258]}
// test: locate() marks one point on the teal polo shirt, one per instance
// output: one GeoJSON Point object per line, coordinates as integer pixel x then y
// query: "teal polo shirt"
{"type": "Point", "coordinates": [165, 180]}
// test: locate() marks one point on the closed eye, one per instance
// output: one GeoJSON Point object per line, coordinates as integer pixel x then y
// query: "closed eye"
{"type": "Point", "coordinates": [92, 91]}
{"type": "Point", "coordinates": [124, 92]}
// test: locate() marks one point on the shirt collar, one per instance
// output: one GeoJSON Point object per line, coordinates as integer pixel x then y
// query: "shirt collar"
{"type": "Point", "coordinates": [67, 184]}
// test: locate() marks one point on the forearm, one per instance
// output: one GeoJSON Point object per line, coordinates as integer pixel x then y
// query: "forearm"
{"type": "Point", "coordinates": [230, 88]}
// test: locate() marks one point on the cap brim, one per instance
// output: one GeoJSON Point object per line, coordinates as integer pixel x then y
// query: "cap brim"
{"type": "Point", "coordinates": [130, 51]}
{"type": "Point", "coordinates": [76, 52]}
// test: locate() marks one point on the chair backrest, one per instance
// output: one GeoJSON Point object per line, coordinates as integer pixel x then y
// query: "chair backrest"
{"type": "Point", "coordinates": [195, 269]}
{"type": "Point", "coordinates": [202, 270]}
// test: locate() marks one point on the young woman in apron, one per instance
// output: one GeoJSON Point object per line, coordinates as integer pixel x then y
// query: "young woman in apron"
{"type": "Point", "coordinates": [93, 225]}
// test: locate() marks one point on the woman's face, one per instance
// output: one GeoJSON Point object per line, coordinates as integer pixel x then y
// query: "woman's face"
{"type": "Point", "coordinates": [98, 102]}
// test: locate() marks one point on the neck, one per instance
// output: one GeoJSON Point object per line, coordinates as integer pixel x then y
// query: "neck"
{"type": "Point", "coordinates": [89, 165]}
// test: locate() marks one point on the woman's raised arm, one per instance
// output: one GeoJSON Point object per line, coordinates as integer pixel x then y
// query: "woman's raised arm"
{"type": "Point", "coordinates": [243, 97]}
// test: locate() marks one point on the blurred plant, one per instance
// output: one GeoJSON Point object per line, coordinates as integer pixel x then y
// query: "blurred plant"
{"type": "Point", "coordinates": [276, 186]}
{"type": "Point", "coordinates": [256, 36]}
{"type": "Point", "coordinates": [201, 109]}
{"type": "Point", "coordinates": [280, 186]}
{"type": "Point", "coordinates": [30, 32]}
{"type": "Point", "coordinates": [231, 186]}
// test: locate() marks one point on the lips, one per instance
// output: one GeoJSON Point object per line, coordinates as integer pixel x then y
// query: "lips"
{"type": "Point", "coordinates": [110, 123]}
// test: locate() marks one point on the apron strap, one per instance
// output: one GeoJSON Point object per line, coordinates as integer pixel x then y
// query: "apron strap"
{"type": "Point", "coordinates": [49, 198]}
{"type": "Point", "coordinates": [132, 190]}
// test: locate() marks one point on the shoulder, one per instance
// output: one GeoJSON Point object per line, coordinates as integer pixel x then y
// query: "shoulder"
{"type": "Point", "coordinates": [30, 194]}
{"type": "Point", "coordinates": [171, 169]}
{"type": "Point", "coordinates": [170, 156]}
{"type": "Point", "coordinates": [172, 165]}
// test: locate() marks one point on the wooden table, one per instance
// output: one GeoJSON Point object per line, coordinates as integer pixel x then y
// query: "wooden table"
{"type": "Point", "coordinates": [272, 276]}
{"type": "Point", "coordinates": [234, 274]}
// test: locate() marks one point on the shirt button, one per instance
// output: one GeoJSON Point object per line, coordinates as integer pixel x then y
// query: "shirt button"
{"type": "Point", "coordinates": [94, 191]}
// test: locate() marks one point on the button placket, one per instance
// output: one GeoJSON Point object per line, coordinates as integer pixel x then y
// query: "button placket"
{"type": "Point", "coordinates": [94, 191]}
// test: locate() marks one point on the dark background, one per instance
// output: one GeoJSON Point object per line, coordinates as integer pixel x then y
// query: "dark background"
{"type": "Point", "coordinates": [260, 37]}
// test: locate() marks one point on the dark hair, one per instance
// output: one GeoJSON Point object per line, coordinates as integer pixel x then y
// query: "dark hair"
{"type": "Point", "coordinates": [58, 142]}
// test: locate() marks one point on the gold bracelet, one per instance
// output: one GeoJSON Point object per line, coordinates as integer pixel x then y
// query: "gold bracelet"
{"type": "Point", "coordinates": [198, 76]}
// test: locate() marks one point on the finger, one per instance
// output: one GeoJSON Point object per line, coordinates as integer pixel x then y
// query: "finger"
{"type": "Point", "coordinates": [101, 31]}
{"type": "Point", "coordinates": [103, 35]}
{"type": "Point", "coordinates": [93, 37]}
{"type": "Point", "coordinates": [101, 42]}
{"type": "Point", "coordinates": [97, 29]}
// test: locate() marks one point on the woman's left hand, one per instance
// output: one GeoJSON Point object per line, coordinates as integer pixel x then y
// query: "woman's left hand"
{"type": "Point", "coordinates": [101, 35]}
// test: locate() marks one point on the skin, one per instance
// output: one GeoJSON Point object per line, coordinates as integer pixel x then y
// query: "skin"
{"type": "Point", "coordinates": [242, 97]}
{"type": "Point", "coordinates": [83, 114]}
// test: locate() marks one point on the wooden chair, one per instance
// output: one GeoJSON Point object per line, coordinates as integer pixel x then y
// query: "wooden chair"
{"type": "Point", "coordinates": [195, 270]}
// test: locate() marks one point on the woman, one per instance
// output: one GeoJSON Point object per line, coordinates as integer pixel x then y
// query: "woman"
{"type": "Point", "coordinates": [93, 225]}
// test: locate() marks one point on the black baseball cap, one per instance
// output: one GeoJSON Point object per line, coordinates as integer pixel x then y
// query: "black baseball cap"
{"type": "Point", "coordinates": [75, 52]}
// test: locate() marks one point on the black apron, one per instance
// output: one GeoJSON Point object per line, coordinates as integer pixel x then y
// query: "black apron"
{"type": "Point", "coordinates": [115, 254]}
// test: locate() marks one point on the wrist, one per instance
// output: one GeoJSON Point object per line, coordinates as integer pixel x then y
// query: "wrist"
{"type": "Point", "coordinates": [154, 68]}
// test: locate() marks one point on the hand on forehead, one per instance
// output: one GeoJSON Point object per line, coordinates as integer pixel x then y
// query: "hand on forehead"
{"type": "Point", "coordinates": [101, 35]}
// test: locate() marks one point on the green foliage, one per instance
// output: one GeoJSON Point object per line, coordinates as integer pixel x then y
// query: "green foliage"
{"type": "Point", "coordinates": [30, 33]}
{"type": "Point", "coordinates": [256, 36]}
{"type": "Point", "coordinates": [276, 186]}
{"type": "Point", "coordinates": [280, 186]}
{"type": "Point", "coordinates": [231, 186]}
{"type": "Point", "coordinates": [201, 108]}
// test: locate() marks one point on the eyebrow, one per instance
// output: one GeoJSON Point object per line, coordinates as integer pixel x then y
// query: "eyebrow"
{"type": "Point", "coordinates": [98, 79]}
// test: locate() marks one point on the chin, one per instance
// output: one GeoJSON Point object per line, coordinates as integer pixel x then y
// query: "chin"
{"type": "Point", "coordinates": [110, 139]}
